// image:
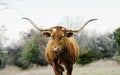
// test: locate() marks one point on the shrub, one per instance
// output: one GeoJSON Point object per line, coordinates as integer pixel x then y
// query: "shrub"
{"type": "Point", "coordinates": [88, 56]}
{"type": "Point", "coordinates": [2, 63]}
{"type": "Point", "coordinates": [32, 53]}
{"type": "Point", "coordinates": [117, 58]}
{"type": "Point", "coordinates": [2, 60]}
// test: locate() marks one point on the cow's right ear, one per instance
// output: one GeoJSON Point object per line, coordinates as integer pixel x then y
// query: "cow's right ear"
{"type": "Point", "coordinates": [46, 34]}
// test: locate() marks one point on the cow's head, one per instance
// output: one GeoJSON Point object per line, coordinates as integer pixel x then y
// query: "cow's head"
{"type": "Point", "coordinates": [58, 34]}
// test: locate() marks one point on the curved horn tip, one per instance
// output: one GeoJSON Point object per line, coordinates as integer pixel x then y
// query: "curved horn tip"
{"type": "Point", "coordinates": [24, 18]}
{"type": "Point", "coordinates": [83, 25]}
{"type": "Point", "coordinates": [94, 19]}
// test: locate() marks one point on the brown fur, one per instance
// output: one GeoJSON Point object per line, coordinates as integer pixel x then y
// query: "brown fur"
{"type": "Point", "coordinates": [66, 57]}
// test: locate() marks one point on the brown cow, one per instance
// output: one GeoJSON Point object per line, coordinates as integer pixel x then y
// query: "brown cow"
{"type": "Point", "coordinates": [62, 49]}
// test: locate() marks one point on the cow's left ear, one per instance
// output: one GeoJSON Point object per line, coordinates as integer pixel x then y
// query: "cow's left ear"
{"type": "Point", "coordinates": [69, 34]}
{"type": "Point", "coordinates": [46, 34]}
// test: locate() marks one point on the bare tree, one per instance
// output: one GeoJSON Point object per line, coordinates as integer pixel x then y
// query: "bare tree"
{"type": "Point", "coordinates": [3, 5]}
{"type": "Point", "coordinates": [71, 22]}
{"type": "Point", "coordinates": [3, 38]}
{"type": "Point", "coordinates": [7, 4]}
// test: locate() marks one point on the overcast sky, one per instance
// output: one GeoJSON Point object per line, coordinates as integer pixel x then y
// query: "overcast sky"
{"type": "Point", "coordinates": [48, 13]}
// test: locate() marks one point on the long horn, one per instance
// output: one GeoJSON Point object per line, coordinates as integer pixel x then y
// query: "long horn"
{"type": "Point", "coordinates": [83, 25]}
{"type": "Point", "coordinates": [35, 24]}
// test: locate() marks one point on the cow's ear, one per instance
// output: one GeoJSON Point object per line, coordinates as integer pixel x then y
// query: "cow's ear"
{"type": "Point", "coordinates": [69, 34]}
{"type": "Point", "coordinates": [46, 34]}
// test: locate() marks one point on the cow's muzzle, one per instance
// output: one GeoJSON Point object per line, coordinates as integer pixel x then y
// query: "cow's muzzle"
{"type": "Point", "coordinates": [56, 49]}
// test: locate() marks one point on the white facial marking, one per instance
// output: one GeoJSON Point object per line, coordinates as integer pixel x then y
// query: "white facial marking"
{"type": "Point", "coordinates": [54, 29]}
{"type": "Point", "coordinates": [63, 28]}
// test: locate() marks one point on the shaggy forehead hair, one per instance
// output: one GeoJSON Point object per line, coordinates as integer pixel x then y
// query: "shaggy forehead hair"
{"type": "Point", "coordinates": [58, 30]}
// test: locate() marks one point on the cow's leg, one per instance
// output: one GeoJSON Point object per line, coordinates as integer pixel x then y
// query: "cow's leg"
{"type": "Point", "coordinates": [60, 66]}
{"type": "Point", "coordinates": [56, 68]}
{"type": "Point", "coordinates": [69, 68]}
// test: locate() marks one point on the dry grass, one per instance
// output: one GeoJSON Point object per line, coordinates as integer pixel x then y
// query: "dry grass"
{"type": "Point", "coordinates": [97, 68]}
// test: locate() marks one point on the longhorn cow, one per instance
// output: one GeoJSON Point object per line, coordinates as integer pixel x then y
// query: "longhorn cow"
{"type": "Point", "coordinates": [62, 50]}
